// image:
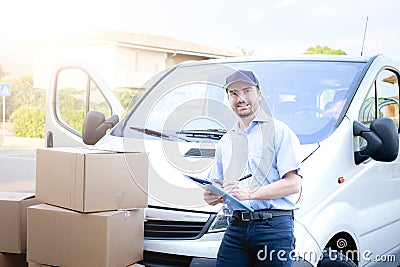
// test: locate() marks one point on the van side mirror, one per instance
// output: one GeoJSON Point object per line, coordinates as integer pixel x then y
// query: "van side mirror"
{"type": "Point", "coordinates": [382, 140]}
{"type": "Point", "coordinates": [95, 126]}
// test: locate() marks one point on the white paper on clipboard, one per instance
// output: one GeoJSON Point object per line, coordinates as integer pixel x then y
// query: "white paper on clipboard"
{"type": "Point", "coordinates": [214, 189]}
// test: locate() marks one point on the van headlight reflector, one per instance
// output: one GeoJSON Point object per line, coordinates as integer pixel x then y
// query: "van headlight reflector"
{"type": "Point", "coordinates": [220, 222]}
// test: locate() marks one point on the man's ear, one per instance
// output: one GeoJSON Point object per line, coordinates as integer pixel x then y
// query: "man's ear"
{"type": "Point", "coordinates": [227, 93]}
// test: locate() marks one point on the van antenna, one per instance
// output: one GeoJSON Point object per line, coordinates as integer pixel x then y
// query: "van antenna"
{"type": "Point", "coordinates": [365, 32]}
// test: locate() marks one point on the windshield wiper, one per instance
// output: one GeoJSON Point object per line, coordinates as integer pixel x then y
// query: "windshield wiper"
{"type": "Point", "coordinates": [157, 134]}
{"type": "Point", "coordinates": [215, 134]}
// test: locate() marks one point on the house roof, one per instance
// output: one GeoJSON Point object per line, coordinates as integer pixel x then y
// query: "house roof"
{"type": "Point", "coordinates": [154, 42]}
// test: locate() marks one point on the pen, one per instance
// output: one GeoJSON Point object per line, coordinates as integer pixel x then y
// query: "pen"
{"type": "Point", "coordinates": [245, 177]}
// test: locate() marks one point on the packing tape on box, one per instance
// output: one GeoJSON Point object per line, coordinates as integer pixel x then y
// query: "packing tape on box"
{"type": "Point", "coordinates": [120, 200]}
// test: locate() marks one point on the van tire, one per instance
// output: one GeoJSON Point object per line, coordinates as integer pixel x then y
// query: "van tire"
{"type": "Point", "coordinates": [332, 258]}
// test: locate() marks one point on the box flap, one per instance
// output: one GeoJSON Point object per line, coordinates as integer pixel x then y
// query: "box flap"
{"type": "Point", "coordinates": [78, 150]}
{"type": "Point", "coordinates": [48, 207]}
{"type": "Point", "coordinates": [15, 196]}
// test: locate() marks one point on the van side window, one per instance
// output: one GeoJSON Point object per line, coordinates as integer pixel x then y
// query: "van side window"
{"type": "Point", "coordinates": [382, 100]}
{"type": "Point", "coordinates": [368, 109]}
{"type": "Point", "coordinates": [388, 96]}
{"type": "Point", "coordinates": [76, 94]}
{"type": "Point", "coordinates": [97, 100]}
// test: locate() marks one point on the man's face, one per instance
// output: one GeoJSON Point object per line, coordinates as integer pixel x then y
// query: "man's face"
{"type": "Point", "coordinates": [244, 98]}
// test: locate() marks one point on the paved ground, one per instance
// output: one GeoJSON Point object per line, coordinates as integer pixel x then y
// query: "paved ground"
{"type": "Point", "coordinates": [17, 169]}
{"type": "Point", "coordinates": [17, 161]}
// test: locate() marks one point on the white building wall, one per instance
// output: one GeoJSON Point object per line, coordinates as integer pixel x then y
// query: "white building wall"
{"type": "Point", "coordinates": [119, 66]}
{"type": "Point", "coordinates": [133, 67]}
{"type": "Point", "coordinates": [47, 58]}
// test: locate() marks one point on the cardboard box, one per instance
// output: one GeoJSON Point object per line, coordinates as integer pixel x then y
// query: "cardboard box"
{"type": "Point", "coordinates": [89, 180]}
{"type": "Point", "coordinates": [34, 264]}
{"type": "Point", "coordinates": [13, 207]}
{"type": "Point", "coordinates": [63, 237]}
{"type": "Point", "coordinates": [13, 260]}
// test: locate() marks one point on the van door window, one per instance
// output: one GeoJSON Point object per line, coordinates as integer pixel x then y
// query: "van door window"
{"type": "Point", "coordinates": [388, 96]}
{"type": "Point", "coordinates": [368, 109]}
{"type": "Point", "coordinates": [97, 101]}
{"type": "Point", "coordinates": [76, 94]}
{"type": "Point", "coordinates": [382, 101]}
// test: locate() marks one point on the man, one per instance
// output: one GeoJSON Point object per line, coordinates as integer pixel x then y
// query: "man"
{"type": "Point", "coordinates": [266, 149]}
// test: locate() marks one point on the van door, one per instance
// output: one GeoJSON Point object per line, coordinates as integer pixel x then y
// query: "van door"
{"type": "Point", "coordinates": [378, 187]}
{"type": "Point", "coordinates": [74, 91]}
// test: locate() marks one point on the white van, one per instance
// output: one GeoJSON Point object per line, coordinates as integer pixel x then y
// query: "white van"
{"type": "Point", "coordinates": [345, 111]}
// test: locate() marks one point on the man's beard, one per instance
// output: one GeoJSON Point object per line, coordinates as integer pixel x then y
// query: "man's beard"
{"type": "Point", "coordinates": [248, 114]}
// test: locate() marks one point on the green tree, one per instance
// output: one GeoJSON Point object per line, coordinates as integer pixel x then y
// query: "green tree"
{"type": "Point", "coordinates": [324, 50]}
{"type": "Point", "coordinates": [245, 52]}
{"type": "Point", "coordinates": [128, 96]}
{"type": "Point", "coordinates": [26, 106]}
{"type": "Point", "coordinates": [23, 94]}
{"type": "Point", "coordinates": [2, 72]}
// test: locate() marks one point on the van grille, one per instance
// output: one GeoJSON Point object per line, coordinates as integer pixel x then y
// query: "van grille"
{"type": "Point", "coordinates": [157, 259]}
{"type": "Point", "coordinates": [200, 152]}
{"type": "Point", "coordinates": [177, 228]}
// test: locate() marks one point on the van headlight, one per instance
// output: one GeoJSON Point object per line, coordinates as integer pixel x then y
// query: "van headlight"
{"type": "Point", "coordinates": [220, 222]}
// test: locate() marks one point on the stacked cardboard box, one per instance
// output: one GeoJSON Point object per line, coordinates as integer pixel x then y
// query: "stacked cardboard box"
{"type": "Point", "coordinates": [93, 212]}
{"type": "Point", "coordinates": [13, 260]}
{"type": "Point", "coordinates": [62, 237]}
{"type": "Point", "coordinates": [34, 264]}
{"type": "Point", "coordinates": [87, 180]}
{"type": "Point", "coordinates": [13, 208]}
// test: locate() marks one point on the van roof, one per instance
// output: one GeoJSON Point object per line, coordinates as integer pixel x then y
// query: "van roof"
{"type": "Point", "coordinates": [344, 58]}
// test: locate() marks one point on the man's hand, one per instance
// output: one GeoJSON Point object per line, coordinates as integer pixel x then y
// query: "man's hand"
{"type": "Point", "coordinates": [212, 199]}
{"type": "Point", "coordinates": [237, 190]}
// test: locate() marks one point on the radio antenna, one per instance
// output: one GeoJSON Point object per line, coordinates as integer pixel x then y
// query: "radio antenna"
{"type": "Point", "coordinates": [365, 32]}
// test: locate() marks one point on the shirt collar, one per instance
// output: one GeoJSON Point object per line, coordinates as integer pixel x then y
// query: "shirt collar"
{"type": "Point", "coordinates": [260, 116]}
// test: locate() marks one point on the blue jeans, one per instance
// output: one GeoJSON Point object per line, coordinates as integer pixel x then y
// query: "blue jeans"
{"type": "Point", "coordinates": [258, 243]}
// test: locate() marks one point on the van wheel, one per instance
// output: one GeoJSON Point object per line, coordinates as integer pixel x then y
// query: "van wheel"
{"type": "Point", "coordinates": [334, 258]}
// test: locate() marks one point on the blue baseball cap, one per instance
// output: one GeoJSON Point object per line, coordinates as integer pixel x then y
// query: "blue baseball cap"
{"type": "Point", "coordinates": [241, 76]}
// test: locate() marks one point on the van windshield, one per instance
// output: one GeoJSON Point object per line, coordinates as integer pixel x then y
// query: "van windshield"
{"type": "Point", "coordinates": [190, 103]}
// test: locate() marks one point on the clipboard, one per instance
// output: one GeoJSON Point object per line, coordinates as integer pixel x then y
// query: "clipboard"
{"type": "Point", "coordinates": [214, 189]}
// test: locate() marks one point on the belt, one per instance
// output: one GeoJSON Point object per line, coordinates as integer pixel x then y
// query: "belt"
{"type": "Point", "coordinates": [260, 215]}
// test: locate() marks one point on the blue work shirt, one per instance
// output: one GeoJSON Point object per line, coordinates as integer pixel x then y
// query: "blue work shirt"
{"type": "Point", "coordinates": [268, 149]}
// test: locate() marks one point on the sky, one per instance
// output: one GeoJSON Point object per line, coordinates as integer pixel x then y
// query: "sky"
{"type": "Point", "coordinates": [264, 27]}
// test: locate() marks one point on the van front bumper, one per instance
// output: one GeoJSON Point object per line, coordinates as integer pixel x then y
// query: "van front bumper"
{"type": "Point", "coordinates": [158, 259]}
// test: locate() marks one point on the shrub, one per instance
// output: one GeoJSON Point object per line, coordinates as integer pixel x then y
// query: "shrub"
{"type": "Point", "coordinates": [73, 118]}
{"type": "Point", "coordinates": [29, 121]}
